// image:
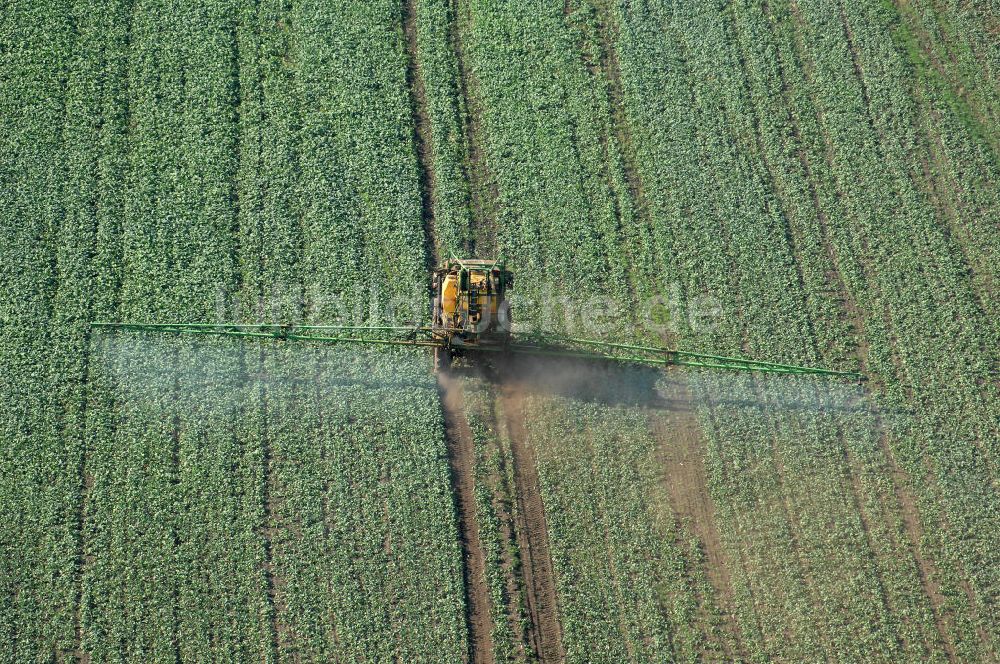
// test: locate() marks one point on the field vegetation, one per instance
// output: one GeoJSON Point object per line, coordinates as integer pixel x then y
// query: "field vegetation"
{"type": "Point", "coordinates": [826, 172]}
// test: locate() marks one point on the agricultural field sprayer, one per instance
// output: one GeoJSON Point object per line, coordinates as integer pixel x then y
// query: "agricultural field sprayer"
{"type": "Point", "coordinates": [471, 317]}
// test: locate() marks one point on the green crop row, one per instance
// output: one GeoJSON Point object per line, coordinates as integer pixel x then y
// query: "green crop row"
{"type": "Point", "coordinates": [173, 503]}
{"type": "Point", "coordinates": [964, 164]}
{"type": "Point", "coordinates": [944, 341]}
{"type": "Point", "coordinates": [957, 39]}
{"type": "Point", "coordinates": [365, 556]}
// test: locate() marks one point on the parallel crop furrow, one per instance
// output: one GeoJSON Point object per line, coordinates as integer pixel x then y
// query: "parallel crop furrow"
{"type": "Point", "coordinates": [805, 181]}
{"type": "Point", "coordinates": [533, 536]}
{"type": "Point", "coordinates": [681, 448]}
{"type": "Point", "coordinates": [462, 459]}
{"type": "Point", "coordinates": [617, 602]}
{"type": "Point", "coordinates": [459, 439]}
{"type": "Point", "coordinates": [421, 131]}
{"type": "Point", "coordinates": [482, 184]}
{"type": "Point", "coordinates": [947, 267]}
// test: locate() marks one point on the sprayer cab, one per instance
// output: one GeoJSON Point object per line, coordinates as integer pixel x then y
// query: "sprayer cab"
{"type": "Point", "coordinates": [470, 304]}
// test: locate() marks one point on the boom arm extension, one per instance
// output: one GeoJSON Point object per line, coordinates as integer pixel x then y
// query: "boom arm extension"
{"type": "Point", "coordinates": [392, 336]}
{"type": "Point", "coordinates": [551, 345]}
{"type": "Point", "coordinates": [653, 355]}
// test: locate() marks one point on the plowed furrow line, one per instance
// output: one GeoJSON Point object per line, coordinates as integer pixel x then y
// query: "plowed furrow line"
{"type": "Point", "coordinates": [481, 182]}
{"type": "Point", "coordinates": [458, 435]}
{"type": "Point", "coordinates": [421, 131]}
{"type": "Point", "coordinates": [461, 456]}
{"type": "Point", "coordinates": [533, 536]}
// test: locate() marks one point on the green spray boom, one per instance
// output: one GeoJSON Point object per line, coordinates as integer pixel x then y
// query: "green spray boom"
{"type": "Point", "coordinates": [549, 345]}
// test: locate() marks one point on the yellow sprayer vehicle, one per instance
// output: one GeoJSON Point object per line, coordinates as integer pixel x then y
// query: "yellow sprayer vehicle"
{"type": "Point", "coordinates": [470, 308]}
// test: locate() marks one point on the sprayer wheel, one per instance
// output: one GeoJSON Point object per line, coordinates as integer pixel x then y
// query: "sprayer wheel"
{"type": "Point", "coordinates": [442, 358]}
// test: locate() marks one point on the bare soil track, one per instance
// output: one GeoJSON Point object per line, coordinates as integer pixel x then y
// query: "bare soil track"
{"type": "Point", "coordinates": [280, 632]}
{"type": "Point", "coordinates": [501, 496]}
{"type": "Point", "coordinates": [681, 448]}
{"type": "Point", "coordinates": [461, 456]}
{"type": "Point", "coordinates": [458, 435]}
{"type": "Point", "coordinates": [482, 184]}
{"type": "Point", "coordinates": [532, 533]}
{"type": "Point", "coordinates": [926, 567]}
{"type": "Point", "coordinates": [421, 131]}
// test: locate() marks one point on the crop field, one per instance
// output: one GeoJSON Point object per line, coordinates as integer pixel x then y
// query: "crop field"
{"type": "Point", "coordinates": [811, 182]}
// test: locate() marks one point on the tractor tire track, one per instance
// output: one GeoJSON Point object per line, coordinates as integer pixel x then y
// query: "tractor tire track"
{"type": "Point", "coordinates": [461, 457]}
{"type": "Point", "coordinates": [421, 133]}
{"type": "Point", "coordinates": [501, 492]}
{"type": "Point", "coordinates": [458, 435]}
{"type": "Point", "coordinates": [532, 534]}
{"type": "Point", "coordinates": [681, 451]}
{"type": "Point", "coordinates": [482, 184]}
